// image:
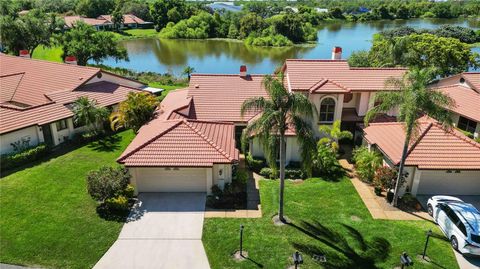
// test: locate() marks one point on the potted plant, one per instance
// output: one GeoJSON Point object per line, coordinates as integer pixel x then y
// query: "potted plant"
{"type": "Point", "coordinates": [390, 195]}
{"type": "Point", "coordinates": [378, 190]}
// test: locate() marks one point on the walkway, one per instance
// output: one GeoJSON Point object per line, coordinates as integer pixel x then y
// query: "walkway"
{"type": "Point", "coordinates": [378, 206]}
{"type": "Point", "coordinates": [163, 231]}
{"type": "Point", "coordinates": [253, 209]}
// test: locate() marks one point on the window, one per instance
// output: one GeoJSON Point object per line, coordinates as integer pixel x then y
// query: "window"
{"type": "Point", "coordinates": [61, 125]}
{"type": "Point", "coordinates": [467, 125]}
{"type": "Point", "coordinates": [327, 110]}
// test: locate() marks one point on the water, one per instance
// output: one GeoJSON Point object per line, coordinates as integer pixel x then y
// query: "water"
{"type": "Point", "coordinates": [223, 56]}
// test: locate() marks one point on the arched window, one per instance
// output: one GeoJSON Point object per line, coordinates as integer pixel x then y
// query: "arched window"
{"type": "Point", "coordinates": [327, 110]}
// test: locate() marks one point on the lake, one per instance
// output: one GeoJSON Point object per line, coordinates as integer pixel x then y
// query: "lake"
{"type": "Point", "coordinates": [225, 56]}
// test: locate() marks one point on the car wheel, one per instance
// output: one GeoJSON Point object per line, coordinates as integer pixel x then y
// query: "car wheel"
{"type": "Point", "coordinates": [430, 210]}
{"type": "Point", "coordinates": [454, 242]}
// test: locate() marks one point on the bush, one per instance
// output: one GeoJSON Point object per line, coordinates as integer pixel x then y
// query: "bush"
{"type": "Point", "coordinates": [233, 195]}
{"type": "Point", "coordinates": [129, 191]}
{"type": "Point", "coordinates": [384, 176]}
{"type": "Point", "coordinates": [408, 200]}
{"type": "Point", "coordinates": [366, 163]}
{"type": "Point", "coordinates": [326, 163]}
{"type": "Point", "coordinates": [268, 41]}
{"type": "Point", "coordinates": [9, 161]}
{"type": "Point", "coordinates": [290, 173]}
{"type": "Point", "coordinates": [107, 182]}
{"type": "Point", "coordinates": [267, 172]}
{"type": "Point", "coordinates": [255, 164]}
{"type": "Point", "coordinates": [119, 203]}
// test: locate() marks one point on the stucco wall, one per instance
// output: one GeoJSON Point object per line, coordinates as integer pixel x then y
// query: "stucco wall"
{"type": "Point", "coordinates": [226, 174]}
{"type": "Point", "coordinates": [8, 138]}
{"type": "Point", "coordinates": [115, 79]}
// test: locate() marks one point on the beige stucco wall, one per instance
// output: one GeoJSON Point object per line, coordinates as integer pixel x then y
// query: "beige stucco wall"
{"type": "Point", "coordinates": [8, 138]}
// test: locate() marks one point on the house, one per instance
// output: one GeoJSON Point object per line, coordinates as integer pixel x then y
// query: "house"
{"type": "Point", "coordinates": [36, 98]}
{"type": "Point", "coordinates": [464, 89]}
{"type": "Point", "coordinates": [104, 22]}
{"type": "Point", "coordinates": [439, 161]}
{"type": "Point", "coordinates": [168, 148]}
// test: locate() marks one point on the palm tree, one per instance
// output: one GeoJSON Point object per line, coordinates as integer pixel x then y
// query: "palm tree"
{"type": "Point", "coordinates": [86, 112]}
{"type": "Point", "coordinates": [413, 99]}
{"type": "Point", "coordinates": [333, 135]}
{"type": "Point", "coordinates": [281, 111]}
{"type": "Point", "coordinates": [188, 70]}
{"type": "Point", "coordinates": [135, 111]}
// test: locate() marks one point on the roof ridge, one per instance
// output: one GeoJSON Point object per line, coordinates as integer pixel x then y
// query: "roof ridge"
{"type": "Point", "coordinates": [315, 60]}
{"type": "Point", "coordinates": [378, 68]}
{"type": "Point", "coordinates": [215, 146]}
{"type": "Point", "coordinates": [50, 62]}
{"type": "Point", "coordinates": [224, 75]}
{"type": "Point", "coordinates": [18, 84]}
{"type": "Point", "coordinates": [144, 144]}
{"type": "Point", "coordinates": [12, 74]}
{"type": "Point", "coordinates": [420, 137]}
{"type": "Point", "coordinates": [211, 122]}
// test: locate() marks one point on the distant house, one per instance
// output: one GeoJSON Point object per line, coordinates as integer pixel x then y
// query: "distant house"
{"type": "Point", "coordinates": [439, 161]}
{"type": "Point", "coordinates": [36, 98]}
{"type": "Point", "coordinates": [104, 22]}
{"type": "Point", "coordinates": [464, 89]}
{"type": "Point", "coordinates": [225, 6]}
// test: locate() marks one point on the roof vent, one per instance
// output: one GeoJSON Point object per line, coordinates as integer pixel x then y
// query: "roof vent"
{"type": "Point", "coordinates": [243, 71]}
{"type": "Point", "coordinates": [337, 53]}
{"type": "Point", "coordinates": [24, 53]}
{"type": "Point", "coordinates": [197, 86]}
{"type": "Point", "coordinates": [462, 80]}
{"type": "Point", "coordinates": [71, 60]}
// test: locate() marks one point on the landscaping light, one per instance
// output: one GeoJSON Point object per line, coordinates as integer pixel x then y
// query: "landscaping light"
{"type": "Point", "coordinates": [429, 233]}
{"type": "Point", "coordinates": [297, 259]}
{"type": "Point", "coordinates": [405, 260]}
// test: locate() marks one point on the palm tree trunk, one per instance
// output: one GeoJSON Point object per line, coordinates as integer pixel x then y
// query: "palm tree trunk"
{"type": "Point", "coordinates": [402, 165]}
{"type": "Point", "coordinates": [282, 177]}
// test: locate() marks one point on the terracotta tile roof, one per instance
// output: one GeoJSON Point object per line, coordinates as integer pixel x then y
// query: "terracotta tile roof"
{"type": "Point", "coordinates": [127, 19]}
{"type": "Point", "coordinates": [435, 148]}
{"type": "Point", "coordinates": [467, 101]}
{"type": "Point", "coordinates": [304, 75]}
{"type": "Point", "coordinates": [182, 143]}
{"type": "Point", "coordinates": [220, 97]}
{"type": "Point", "coordinates": [42, 77]}
{"type": "Point", "coordinates": [71, 20]}
{"type": "Point", "coordinates": [9, 84]}
{"type": "Point", "coordinates": [473, 78]}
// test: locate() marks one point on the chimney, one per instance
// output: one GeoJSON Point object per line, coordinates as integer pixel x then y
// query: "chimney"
{"type": "Point", "coordinates": [243, 71]}
{"type": "Point", "coordinates": [71, 60]}
{"type": "Point", "coordinates": [337, 53]}
{"type": "Point", "coordinates": [24, 54]}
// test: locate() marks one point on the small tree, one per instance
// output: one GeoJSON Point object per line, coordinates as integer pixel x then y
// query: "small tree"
{"type": "Point", "coordinates": [325, 162]}
{"type": "Point", "coordinates": [107, 182]}
{"type": "Point", "coordinates": [333, 135]}
{"type": "Point", "coordinates": [366, 163]}
{"type": "Point", "coordinates": [134, 112]}
{"type": "Point", "coordinates": [86, 112]}
{"type": "Point", "coordinates": [188, 70]}
{"type": "Point", "coordinates": [384, 177]}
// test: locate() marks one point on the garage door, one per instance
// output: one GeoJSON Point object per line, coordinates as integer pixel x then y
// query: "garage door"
{"type": "Point", "coordinates": [171, 180]}
{"type": "Point", "coordinates": [440, 182]}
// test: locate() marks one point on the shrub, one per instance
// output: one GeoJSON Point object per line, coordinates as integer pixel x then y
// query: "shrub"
{"type": "Point", "coordinates": [366, 163]}
{"type": "Point", "coordinates": [107, 182]}
{"type": "Point", "coordinates": [129, 191]}
{"type": "Point", "coordinates": [408, 200]}
{"type": "Point", "coordinates": [255, 164]}
{"type": "Point", "coordinates": [9, 161]}
{"type": "Point", "coordinates": [290, 173]}
{"type": "Point", "coordinates": [384, 176]}
{"type": "Point", "coordinates": [267, 172]}
{"type": "Point", "coordinates": [119, 203]}
{"type": "Point", "coordinates": [325, 162]}
{"type": "Point", "coordinates": [233, 195]}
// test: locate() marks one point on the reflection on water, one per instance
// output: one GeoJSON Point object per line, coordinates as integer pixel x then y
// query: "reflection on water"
{"type": "Point", "coordinates": [221, 56]}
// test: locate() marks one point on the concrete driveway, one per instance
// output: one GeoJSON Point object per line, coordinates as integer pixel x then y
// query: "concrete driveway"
{"type": "Point", "coordinates": [163, 231]}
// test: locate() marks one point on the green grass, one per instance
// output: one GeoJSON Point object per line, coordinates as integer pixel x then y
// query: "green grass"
{"type": "Point", "coordinates": [53, 54]}
{"type": "Point", "coordinates": [136, 33]}
{"type": "Point", "coordinates": [47, 217]}
{"type": "Point", "coordinates": [328, 206]}
{"type": "Point", "coordinates": [167, 88]}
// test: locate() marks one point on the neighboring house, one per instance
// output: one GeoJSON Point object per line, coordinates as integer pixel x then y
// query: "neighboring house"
{"type": "Point", "coordinates": [438, 161]}
{"type": "Point", "coordinates": [104, 22]}
{"type": "Point", "coordinates": [464, 89]}
{"type": "Point", "coordinates": [36, 98]}
{"type": "Point", "coordinates": [168, 147]}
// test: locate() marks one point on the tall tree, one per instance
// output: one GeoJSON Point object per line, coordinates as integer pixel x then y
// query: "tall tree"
{"type": "Point", "coordinates": [117, 15]}
{"type": "Point", "coordinates": [160, 8]}
{"type": "Point", "coordinates": [87, 112]}
{"type": "Point", "coordinates": [281, 111]}
{"type": "Point", "coordinates": [413, 99]}
{"type": "Point", "coordinates": [134, 112]}
{"type": "Point", "coordinates": [85, 43]}
{"type": "Point", "coordinates": [95, 8]}
{"type": "Point", "coordinates": [26, 32]}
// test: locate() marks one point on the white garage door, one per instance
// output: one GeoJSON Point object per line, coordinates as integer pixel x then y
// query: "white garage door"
{"type": "Point", "coordinates": [170, 180]}
{"type": "Point", "coordinates": [440, 182]}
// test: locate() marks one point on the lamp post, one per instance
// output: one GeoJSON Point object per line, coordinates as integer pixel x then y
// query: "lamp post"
{"type": "Point", "coordinates": [429, 233]}
{"type": "Point", "coordinates": [405, 260]}
{"type": "Point", "coordinates": [241, 240]}
{"type": "Point", "coordinates": [297, 259]}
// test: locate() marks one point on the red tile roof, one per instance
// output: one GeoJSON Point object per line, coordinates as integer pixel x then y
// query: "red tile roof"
{"type": "Point", "coordinates": [434, 148]}
{"type": "Point", "coordinates": [467, 101]}
{"type": "Point", "coordinates": [71, 20]}
{"type": "Point", "coordinates": [473, 78]}
{"type": "Point", "coordinates": [182, 143]}
{"type": "Point", "coordinates": [336, 76]}
{"type": "Point", "coordinates": [40, 78]}
{"type": "Point", "coordinates": [127, 19]}
{"type": "Point", "coordinates": [220, 97]}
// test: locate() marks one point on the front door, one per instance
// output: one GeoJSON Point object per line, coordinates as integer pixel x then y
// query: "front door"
{"type": "Point", "coordinates": [47, 134]}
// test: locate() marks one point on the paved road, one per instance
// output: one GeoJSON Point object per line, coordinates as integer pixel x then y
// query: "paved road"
{"type": "Point", "coordinates": [164, 231]}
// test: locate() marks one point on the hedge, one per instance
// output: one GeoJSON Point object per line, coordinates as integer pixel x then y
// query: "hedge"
{"type": "Point", "coordinates": [12, 160]}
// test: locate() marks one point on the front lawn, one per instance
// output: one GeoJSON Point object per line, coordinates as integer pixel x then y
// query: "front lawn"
{"type": "Point", "coordinates": [47, 217]}
{"type": "Point", "coordinates": [329, 218]}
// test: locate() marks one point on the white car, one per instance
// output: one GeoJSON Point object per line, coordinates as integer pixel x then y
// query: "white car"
{"type": "Point", "coordinates": [459, 221]}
